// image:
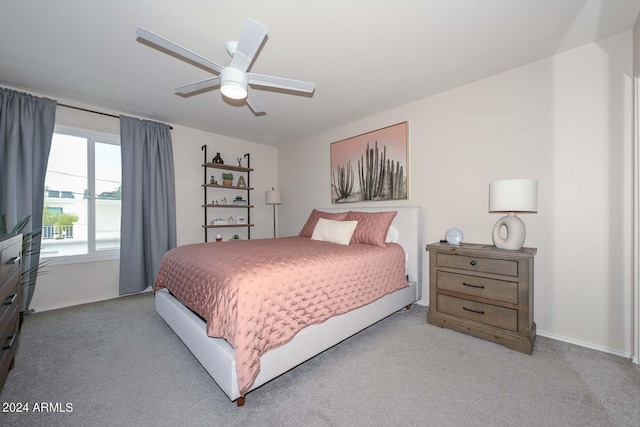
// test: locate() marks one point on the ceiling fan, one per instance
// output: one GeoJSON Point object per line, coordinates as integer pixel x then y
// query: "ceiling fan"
{"type": "Point", "coordinates": [234, 80]}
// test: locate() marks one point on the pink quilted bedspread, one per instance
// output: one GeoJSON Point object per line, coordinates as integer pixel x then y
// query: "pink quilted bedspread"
{"type": "Point", "coordinates": [257, 294]}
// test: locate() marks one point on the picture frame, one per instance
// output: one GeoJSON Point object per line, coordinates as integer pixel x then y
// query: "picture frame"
{"type": "Point", "coordinates": [370, 167]}
{"type": "Point", "coordinates": [241, 220]}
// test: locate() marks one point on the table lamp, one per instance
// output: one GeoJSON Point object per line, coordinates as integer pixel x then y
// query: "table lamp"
{"type": "Point", "coordinates": [512, 196]}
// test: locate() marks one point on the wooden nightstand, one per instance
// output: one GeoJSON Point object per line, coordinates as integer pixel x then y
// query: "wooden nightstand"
{"type": "Point", "coordinates": [483, 291]}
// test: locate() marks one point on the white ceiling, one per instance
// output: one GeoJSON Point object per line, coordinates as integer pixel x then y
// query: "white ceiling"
{"type": "Point", "coordinates": [365, 56]}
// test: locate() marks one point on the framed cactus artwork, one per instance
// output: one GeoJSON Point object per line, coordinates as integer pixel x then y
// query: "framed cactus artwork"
{"type": "Point", "coordinates": [371, 166]}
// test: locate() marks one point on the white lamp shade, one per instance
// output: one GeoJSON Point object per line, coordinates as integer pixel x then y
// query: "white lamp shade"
{"type": "Point", "coordinates": [272, 197]}
{"type": "Point", "coordinates": [514, 195]}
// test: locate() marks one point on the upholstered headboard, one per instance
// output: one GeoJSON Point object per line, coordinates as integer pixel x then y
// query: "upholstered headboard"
{"type": "Point", "coordinates": [407, 221]}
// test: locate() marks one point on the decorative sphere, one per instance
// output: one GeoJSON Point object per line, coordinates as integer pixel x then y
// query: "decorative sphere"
{"type": "Point", "coordinates": [454, 236]}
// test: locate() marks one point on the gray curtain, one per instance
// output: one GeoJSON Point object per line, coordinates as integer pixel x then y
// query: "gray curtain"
{"type": "Point", "coordinates": [26, 129]}
{"type": "Point", "coordinates": [148, 227]}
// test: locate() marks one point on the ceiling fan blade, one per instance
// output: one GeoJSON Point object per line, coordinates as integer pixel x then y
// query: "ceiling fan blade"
{"type": "Point", "coordinates": [198, 86]}
{"type": "Point", "coordinates": [254, 103]}
{"type": "Point", "coordinates": [252, 37]}
{"type": "Point", "coordinates": [280, 83]}
{"type": "Point", "coordinates": [177, 49]}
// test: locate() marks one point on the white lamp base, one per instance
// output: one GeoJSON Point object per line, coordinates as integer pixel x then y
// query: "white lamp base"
{"type": "Point", "coordinates": [516, 233]}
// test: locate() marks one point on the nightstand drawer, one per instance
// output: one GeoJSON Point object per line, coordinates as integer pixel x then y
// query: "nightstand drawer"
{"type": "Point", "coordinates": [485, 265]}
{"type": "Point", "coordinates": [504, 318]}
{"type": "Point", "coordinates": [498, 290]}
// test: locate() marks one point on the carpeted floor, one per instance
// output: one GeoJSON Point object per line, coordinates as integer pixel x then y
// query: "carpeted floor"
{"type": "Point", "coordinates": [116, 363]}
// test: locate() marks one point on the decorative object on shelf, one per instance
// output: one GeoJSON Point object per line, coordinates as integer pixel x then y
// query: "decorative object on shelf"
{"type": "Point", "coordinates": [512, 195]}
{"type": "Point", "coordinates": [242, 220]}
{"type": "Point", "coordinates": [241, 182]}
{"type": "Point", "coordinates": [217, 159]}
{"type": "Point", "coordinates": [219, 221]}
{"type": "Point", "coordinates": [454, 236]}
{"type": "Point", "coordinates": [230, 220]}
{"type": "Point", "coordinates": [274, 198]}
{"type": "Point", "coordinates": [382, 169]}
{"type": "Point", "coordinates": [239, 159]}
{"type": "Point", "coordinates": [218, 237]}
{"type": "Point", "coordinates": [213, 180]}
{"type": "Point", "coordinates": [227, 179]}
{"type": "Point", "coordinates": [239, 201]}
{"type": "Point", "coordinates": [235, 237]}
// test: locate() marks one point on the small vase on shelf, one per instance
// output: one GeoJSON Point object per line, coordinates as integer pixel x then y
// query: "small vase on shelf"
{"type": "Point", "coordinates": [217, 159]}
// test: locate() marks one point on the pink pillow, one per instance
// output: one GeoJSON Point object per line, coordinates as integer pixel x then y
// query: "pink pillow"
{"type": "Point", "coordinates": [315, 215]}
{"type": "Point", "coordinates": [372, 227]}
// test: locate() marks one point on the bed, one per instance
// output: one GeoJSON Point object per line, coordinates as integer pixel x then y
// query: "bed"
{"type": "Point", "coordinates": [246, 367]}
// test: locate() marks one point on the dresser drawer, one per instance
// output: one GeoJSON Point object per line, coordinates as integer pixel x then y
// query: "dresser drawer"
{"type": "Point", "coordinates": [485, 265]}
{"type": "Point", "coordinates": [8, 345]}
{"type": "Point", "coordinates": [504, 318]}
{"type": "Point", "coordinates": [498, 290]}
{"type": "Point", "coordinates": [10, 260]}
{"type": "Point", "coordinates": [9, 298]}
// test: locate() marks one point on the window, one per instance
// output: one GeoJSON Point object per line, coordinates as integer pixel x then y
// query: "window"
{"type": "Point", "coordinates": [81, 216]}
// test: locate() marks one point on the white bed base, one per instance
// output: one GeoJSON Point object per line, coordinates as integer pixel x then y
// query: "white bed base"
{"type": "Point", "coordinates": [218, 357]}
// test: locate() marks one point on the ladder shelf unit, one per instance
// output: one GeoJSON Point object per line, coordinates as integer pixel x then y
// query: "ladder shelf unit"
{"type": "Point", "coordinates": [246, 171]}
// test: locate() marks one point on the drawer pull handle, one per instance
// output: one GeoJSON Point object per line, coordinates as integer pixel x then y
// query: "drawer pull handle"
{"type": "Point", "coordinates": [473, 263]}
{"type": "Point", "coordinates": [473, 311]}
{"type": "Point", "coordinates": [14, 260]}
{"type": "Point", "coordinates": [10, 299]}
{"type": "Point", "coordinates": [10, 339]}
{"type": "Point", "coordinates": [473, 286]}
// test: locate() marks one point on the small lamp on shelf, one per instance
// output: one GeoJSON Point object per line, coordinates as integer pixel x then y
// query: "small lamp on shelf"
{"type": "Point", "coordinates": [512, 196]}
{"type": "Point", "coordinates": [274, 198]}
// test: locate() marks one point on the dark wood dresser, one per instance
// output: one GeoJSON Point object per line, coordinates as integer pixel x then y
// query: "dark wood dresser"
{"type": "Point", "coordinates": [483, 291]}
{"type": "Point", "coordinates": [10, 254]}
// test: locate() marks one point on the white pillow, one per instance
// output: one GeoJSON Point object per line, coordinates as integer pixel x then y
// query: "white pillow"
{"type": "Point", "coordinates": [393, 236]}
{"type": "Point", "coordinates": [328, 230]}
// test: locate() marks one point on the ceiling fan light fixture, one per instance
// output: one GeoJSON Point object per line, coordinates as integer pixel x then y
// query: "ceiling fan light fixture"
{"type": "Point", "coordinates": [234, 79]}
{"type": "Point", "coordinates": [233, 83]}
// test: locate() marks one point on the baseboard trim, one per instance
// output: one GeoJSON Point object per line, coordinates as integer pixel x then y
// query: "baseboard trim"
{"type": "Point", "coordinates": [626, 355]}
{"type": "Point", "coordinates": [87, 301]}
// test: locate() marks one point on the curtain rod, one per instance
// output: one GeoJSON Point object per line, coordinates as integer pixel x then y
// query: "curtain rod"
{"type": "Point", "coordinates": [95, 112]}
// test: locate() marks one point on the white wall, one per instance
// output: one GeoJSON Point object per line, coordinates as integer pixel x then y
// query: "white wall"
{"type": "Point", "coordinates": [72, 284]}
{"type": "Point", "coordinates": [565, 120]}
